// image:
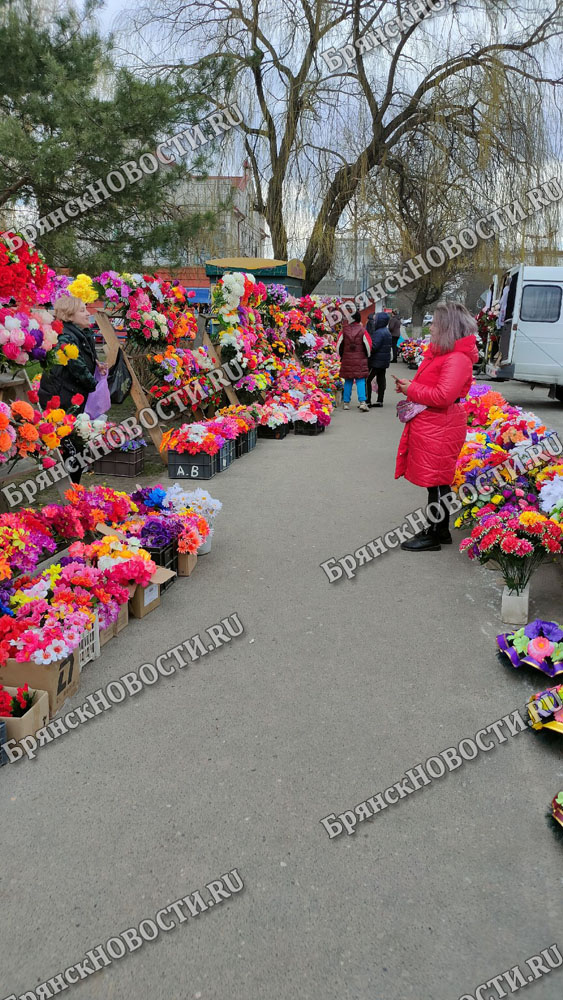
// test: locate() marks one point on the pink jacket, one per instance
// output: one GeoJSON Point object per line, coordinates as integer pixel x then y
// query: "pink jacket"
{"type": "Point", "coordinates": [431, 442]}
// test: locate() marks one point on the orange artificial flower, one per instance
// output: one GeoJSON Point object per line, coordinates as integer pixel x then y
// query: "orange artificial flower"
{"type": "Point", "coordinates": [28, 432]}
{"type": "Point", "coordinates": [22, 409]}
{"type": "Point", "coordinates": [5, 441]}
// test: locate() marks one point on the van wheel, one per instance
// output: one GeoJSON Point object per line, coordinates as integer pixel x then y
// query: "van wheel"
{"type": "Point", "coordinates": [559, 393]}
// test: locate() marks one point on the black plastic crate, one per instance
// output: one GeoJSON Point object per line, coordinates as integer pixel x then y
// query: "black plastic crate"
{"type": "Point", "coordinates": [186, 466]}
{"type": "Point", "coordinates": [120, 463]}
{"type": "Point", "coordinates": [226, 455]}
{"type": "Point", "coordinates": [3, 738]}
{"type": "Point", "coordinates": [251, 439]}
{"type": "Point", "coordinates": [273, 432]}
{"type": "Point", "coordinates": [241, 444]}
{"type": "Point", "coordinates": [167, 556]}
{"type": "Point", "coordinates": [302, 427]}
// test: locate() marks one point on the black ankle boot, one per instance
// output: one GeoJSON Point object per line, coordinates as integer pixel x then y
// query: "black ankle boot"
{"type": "Point", "coordinates": [425, 541]}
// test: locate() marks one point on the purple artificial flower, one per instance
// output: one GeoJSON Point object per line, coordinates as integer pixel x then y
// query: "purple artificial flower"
{"type": "Point", "coordinates": [550, 630]}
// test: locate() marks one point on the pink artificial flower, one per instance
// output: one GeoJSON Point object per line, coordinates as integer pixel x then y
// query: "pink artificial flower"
{"type": "Point", "coordinates": [540, 648]}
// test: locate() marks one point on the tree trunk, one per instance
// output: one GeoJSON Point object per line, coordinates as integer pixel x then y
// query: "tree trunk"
{"type": "Point", "coordinates": [418, 310]}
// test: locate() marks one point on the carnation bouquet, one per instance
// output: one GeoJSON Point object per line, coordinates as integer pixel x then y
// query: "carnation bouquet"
{"type": "Point", "coordinates": [519, 540]}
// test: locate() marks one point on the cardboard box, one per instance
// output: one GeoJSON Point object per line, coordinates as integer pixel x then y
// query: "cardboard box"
{"type": "Point", "coordinates": [35, 718]}
{"type": "Point", "coordinates": [106, 634]}
{"type": "Point", "coordinates": [146, 599]}
{"type": "Point", "coordinates": [187, 562]}
{"type": "Point", "coordinates": [60, 679]}
{"type": "Point", "coordinates": [122, 619]}
{"type": "Point", "coordinates": [140, 603]}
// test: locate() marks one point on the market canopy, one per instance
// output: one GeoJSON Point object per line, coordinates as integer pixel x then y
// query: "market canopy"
{"type": "Point", "coordinates": [290, 273]}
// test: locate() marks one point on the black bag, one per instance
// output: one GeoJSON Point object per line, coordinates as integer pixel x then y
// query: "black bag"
{"type": "Point", "coordinates": [119, 380]}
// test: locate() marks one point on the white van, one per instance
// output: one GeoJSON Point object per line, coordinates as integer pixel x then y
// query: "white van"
{"type": "Point", "coordinates": [531, 340]}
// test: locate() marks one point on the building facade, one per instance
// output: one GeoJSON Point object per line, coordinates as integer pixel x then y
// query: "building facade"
{"type": "Point", "coordinates": [239, 230]}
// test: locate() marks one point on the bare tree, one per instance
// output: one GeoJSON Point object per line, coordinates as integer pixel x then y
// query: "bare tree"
{"type": "Point", "coordinates": [449, 74]}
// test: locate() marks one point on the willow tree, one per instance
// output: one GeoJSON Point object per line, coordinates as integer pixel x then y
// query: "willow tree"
{"type": "Point", "coordinates": [451, 72]}
{"type": "Point", "coordinates": [432, 187]}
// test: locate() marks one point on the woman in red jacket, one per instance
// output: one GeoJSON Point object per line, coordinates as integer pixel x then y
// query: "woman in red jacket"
{"type": "Point", "coordinates": [354, 347]}
{"type": "Point", "coordinates": [431, 442]}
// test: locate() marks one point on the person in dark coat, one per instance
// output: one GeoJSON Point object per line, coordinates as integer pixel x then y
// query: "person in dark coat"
{"type": "Point", "coordinates": [78, 376]}
{"type": "Point", "coordinates": [380, 357]}
{"type": "Point", "coordinates": [395, 330]}
{"type": "Point", "coordinates": [354, 346]}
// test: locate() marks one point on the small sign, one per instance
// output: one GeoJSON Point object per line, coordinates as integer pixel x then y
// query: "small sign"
{"type": "Point", "coordinates": [150, 594]}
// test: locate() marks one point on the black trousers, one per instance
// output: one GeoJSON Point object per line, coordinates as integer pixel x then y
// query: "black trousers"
{"type": "Point", "coordinates": [395, 341]}
{"type": "Point", "coordinates": [435, 494]}
{"type": "Point", "coordinates": [379, 374]}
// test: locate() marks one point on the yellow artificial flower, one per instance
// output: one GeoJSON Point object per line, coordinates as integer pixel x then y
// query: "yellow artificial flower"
{"type": "Point", "coordinates": [61, 357]}
{"type": "Point", "coordinates": [83, 288]}
{"type": "Point", "coordinates": [497, 498]}
{"type": "Point", "coordinates": [71, 351]}
{"type": "Point", "coordinates": [55, 416]}
{"type": "Point", "coordinates": [532, 517]}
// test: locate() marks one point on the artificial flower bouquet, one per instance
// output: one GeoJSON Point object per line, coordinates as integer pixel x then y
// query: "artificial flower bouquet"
{"type": "Point", "coordinates": [14, 706]}
{"type": "Point", "coordinates": [25, 432]}
{"type": "Point", "coordinates": [25, 539]}
{"type": "Point", "coordinates": [23, 272]}
{"type": "Point", "coordinates": [519, 540]}
{"type": "Point", "coordinates": [191, 523]}
{"type": "Point", "coordinates": [193, 439]}
{"type": "Point", "coordinates": [26, 336]}
{"type": "Point", "coordinates": [49, 614]}
{"type": "Point", "coordinates": [123, 560]}
{"type": "Point", "coordinates": [22, 710]}
{"type": "Point", "coordinates": [539, 645]}
{"type": "Point", "coordinates": [520, 495]}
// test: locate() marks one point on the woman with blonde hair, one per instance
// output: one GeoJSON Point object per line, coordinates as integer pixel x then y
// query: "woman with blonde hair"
{"type": "Point", "coordinates": [432, 440]}
{"type": "Point", "coordinates": [78, 376]}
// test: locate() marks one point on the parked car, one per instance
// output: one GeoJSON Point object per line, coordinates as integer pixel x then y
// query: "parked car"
{"type": "Point", "coordinates": [530, 343]}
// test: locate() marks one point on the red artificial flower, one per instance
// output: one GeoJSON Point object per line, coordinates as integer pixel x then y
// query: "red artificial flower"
{"type": "Point", "coordinates": [77, 399]}
{"type": "Point", "coordinates": [33, 395]}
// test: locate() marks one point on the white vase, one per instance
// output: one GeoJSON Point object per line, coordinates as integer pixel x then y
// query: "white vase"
{"type": "Point", "coordinates": [205, 547]}
{"type": "Point", "coordinates": [514, 608]}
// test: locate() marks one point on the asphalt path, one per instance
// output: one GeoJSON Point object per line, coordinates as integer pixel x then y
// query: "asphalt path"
{"type": "Point", "coordinates": [329, 696]}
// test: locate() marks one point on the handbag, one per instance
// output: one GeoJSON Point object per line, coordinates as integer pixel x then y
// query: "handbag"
{"type": "Point", "coordinates": [119, 380]}
{"type": "Point", "coordinates": [98, 401]}
{"type": "Point", "coordinates": [406, 410]}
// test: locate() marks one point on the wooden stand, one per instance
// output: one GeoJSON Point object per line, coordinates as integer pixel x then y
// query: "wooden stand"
{"type": "Point", "coordinates": [137, 392]}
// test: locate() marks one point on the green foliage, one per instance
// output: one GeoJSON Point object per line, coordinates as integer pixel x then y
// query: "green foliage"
{"type": "Point", "coordinates": [67, 118]}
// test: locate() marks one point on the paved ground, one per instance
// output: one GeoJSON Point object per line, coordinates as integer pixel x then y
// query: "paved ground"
{"type": "Point", "coordinates": [331, 694]}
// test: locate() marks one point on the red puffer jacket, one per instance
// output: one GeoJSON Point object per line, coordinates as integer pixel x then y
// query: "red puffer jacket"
{"type": "Point", "coordinates": [431, 442]}
{"type": "Point", "coordinates": [354, 347]}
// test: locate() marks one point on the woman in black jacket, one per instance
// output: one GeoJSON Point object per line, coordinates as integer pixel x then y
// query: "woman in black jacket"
{"type": "Point", "coordinates": [380, 357]}
{"type": "Point", "coordinates": [78, 376]}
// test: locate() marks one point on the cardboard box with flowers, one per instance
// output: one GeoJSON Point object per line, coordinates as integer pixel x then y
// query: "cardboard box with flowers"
{"type": "Point", "coordinates": [45, 619]}
{"type": "Point", "coordinates": [23, 711]}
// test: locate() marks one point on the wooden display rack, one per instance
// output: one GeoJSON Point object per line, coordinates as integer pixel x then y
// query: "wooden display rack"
{"type": "Point", "coordinates": [137, 392]}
